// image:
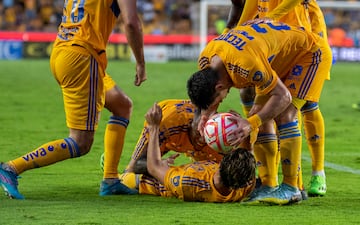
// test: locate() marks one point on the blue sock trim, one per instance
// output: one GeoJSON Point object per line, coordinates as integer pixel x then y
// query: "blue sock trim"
{"type": "Point", "coordinates": [119, 120]}
{"type": "Point", "coordinates": [289, 130]}
{"type": "Point", "coordinates": [73, 147]}
{"type": "Point", "coordinates": [266, 138]}
{"type": "Point", "coordinates": [308, 107]}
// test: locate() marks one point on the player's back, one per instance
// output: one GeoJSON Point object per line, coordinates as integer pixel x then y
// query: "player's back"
{"type": "Point", "coordinates": [87, 23]}
{"type": "Point", "coordinates": [244, 47]}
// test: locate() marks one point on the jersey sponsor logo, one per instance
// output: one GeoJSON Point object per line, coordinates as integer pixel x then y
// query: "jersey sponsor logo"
{"type": "Point", "coordinates": [38, 153]}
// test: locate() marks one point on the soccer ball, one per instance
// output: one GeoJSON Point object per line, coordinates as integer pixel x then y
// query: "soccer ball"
{"type": "Point", "coordinates": [216, 132]}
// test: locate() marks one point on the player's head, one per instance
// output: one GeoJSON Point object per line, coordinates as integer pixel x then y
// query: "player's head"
{"type": "Point", "coordinates": [237, 168]}
{"type": "Point", "coordinates": [201, 87]}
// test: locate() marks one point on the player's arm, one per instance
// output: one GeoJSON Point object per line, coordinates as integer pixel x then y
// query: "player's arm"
{"type": "Point", "coordinates": [283, 8]}
{"type": "Point", "coordinates": [134, 36]}
{"type": "Point", "coordinates": [155, 165]}
{"type": "Point", "coordinates": [279, 99]}
{"type": "Point", "coordinates": [249, 12]}
{"type": "Point", "coordinates": [235, 13]}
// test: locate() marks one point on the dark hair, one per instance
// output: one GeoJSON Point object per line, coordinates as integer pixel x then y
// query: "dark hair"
{"type": "Point", "coordinates": [201, 87]}
{"type": "Point", "coordinates": [237, 168]}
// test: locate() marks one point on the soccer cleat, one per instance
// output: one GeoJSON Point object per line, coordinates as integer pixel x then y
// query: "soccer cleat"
{"type": "Point", "coordinates": [8, 181]}
{"type": "Point", "coordinates": [258, 194]}
{"type": "Point", "coordinates": [115, 188]}
{"type": "Point", "coordinates": [283, 195]}
{"type": "Point", "coordinates": [317, 186]}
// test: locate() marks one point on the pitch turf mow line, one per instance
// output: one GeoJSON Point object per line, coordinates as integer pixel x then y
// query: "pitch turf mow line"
{"type": "Point", "coordinates": [336, 166]}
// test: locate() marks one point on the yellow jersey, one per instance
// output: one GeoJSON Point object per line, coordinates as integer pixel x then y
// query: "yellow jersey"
{"type": "Point", "coordinates": [247, 51]}
{"type": "Point", "coordinates": [174, 133]}
{"type": "Point", "coordinates": [192, 182]}
{"type": "Point", "coordinates": [88, 24]}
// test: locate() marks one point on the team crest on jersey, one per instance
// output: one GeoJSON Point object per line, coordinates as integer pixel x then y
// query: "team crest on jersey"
{"type": "Point", "coordinates": [176, 181]}
{"type": "Point", "coordinates": [258, 76]}
{"type": "Point", "coordinates": [296, 70]}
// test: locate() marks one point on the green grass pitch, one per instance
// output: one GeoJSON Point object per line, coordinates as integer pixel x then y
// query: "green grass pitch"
{"type": "Point", "coordinates": [31, 113]}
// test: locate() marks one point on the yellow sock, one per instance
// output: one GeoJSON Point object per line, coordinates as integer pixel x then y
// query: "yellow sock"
{"type": "Point", "coordinates": [46, 154]}
{"type": "Point", "coordinates": [314, 128]}
{"type": "Point", "coordinates": [113, 145]}
{"type": "Point", "coordinates": [265, 150]}
{"type": "Point", "coordinates": [290, 151]}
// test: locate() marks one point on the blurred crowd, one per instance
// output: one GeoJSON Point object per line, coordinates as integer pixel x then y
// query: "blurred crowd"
{"type": "Point", "coordinates": [163, 17]}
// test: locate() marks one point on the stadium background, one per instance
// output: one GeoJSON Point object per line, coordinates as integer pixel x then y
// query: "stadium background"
{"type": "Point", "coordinates": [171, 29]}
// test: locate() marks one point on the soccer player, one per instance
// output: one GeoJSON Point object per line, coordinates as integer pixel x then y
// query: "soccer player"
{"type": "Point", "coordinates": [293, 13]}
{"type": "Point", "coordinates": [178, 133]}
{"type": "Point", "coordinates": [78, 62]}
{"type": "Point", "coordinates": [244, 56]}
{"type": "Point", "coordinates": [204, 181]}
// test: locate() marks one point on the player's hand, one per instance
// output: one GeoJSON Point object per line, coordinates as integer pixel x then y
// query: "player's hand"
{"type": "Point", "coordinates": [140, 74]}
{"type": "Point", "coordinates": [154, 115]}
{"type": "Point", "coordinates": [242, 131]}
{"type": "Point", "coordinates": [201, 124]}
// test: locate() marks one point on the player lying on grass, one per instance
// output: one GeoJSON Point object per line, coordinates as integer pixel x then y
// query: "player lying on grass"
{"type": "Point", "coordinates": [178, 133]}
{"type": "Point", "coordinates": [231, 180]}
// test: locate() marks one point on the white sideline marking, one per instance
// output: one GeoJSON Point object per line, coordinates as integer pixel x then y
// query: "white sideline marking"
{"type": "Point", "coordinates": [335, 166]}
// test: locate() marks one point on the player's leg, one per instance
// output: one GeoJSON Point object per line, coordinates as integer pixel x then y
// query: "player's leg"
{"type": "Point", "coordinates": [290, 154]}
{"type": "Point", "coordinates": [314, 128]}
{"type": "Point", "coordinates": [120, 105]}
{"type": "Point", "coordinates": [265, 151]}
{"type": "Point", "coordinates": [74, 76]}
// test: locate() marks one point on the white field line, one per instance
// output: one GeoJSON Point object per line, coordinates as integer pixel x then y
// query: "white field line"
{"type": "Point", "coordinates": [336, 166]}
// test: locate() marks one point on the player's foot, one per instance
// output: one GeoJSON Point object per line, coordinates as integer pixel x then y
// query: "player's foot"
{"type": "Point", "coordinates": [8, 181]}
{"type": "Point", "coordinates": [257, 194]}
{"type": "Point", "coordinates": [283, 195]}
{"type": "Point", "coordinates": [317, 186]}
{"type": "Point", "coordinates": [115, 187]}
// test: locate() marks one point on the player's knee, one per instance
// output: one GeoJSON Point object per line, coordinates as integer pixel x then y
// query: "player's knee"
{"type": "Point", "coordinates": [120, 105]}
{"type": "Point", "coordinates": [83, 140]}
